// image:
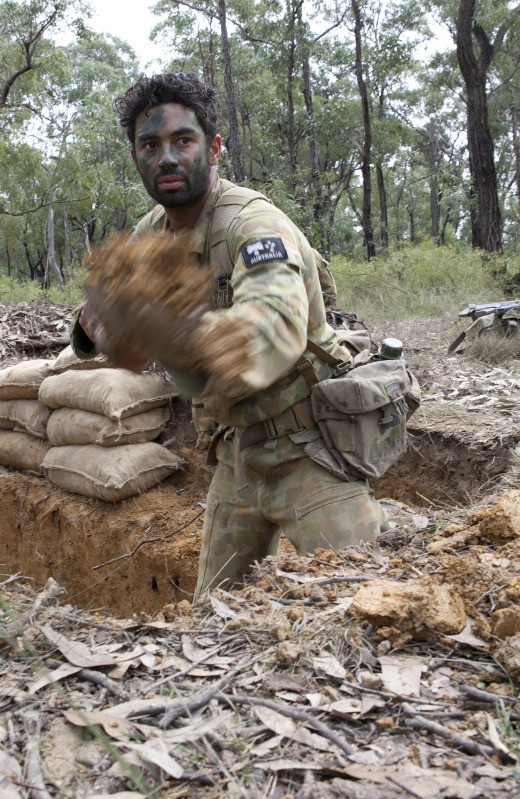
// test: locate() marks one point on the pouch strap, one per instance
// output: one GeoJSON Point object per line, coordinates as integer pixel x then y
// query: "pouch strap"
{"type": "Point", "coordinates": [307, 370]}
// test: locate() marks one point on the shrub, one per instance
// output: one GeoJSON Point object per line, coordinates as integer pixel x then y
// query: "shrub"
{"type": "Point", "coordinates": [418, 281]}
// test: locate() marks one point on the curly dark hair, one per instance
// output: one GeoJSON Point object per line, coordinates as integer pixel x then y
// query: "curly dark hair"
{"type": "Point", "coordinates": [169, 87]}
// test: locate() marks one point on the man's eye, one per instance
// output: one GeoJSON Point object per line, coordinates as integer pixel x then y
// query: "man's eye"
{"type": "Point", "coordinates": [149, 145]}
{"type": "Point", "coordinates": [185, 140]}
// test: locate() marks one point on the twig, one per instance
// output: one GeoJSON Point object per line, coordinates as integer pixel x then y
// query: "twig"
{"type": "Point", "coordinates": [354, 578]}
{"type": "Point", "coordinates": [49, 593]}
{"type": "Point", "coordinates": [297, 715]}
{"type": "Point", "coordinates": [150, 541]}
{"type": "Point", "coordinates": [187, 669]}
{"type": "Point", "coordinates": [97, 678]}
{"type": "Point", "coordinates": [418, 722]}
{"type": "Point", "coordinates": [404, 787]}
{"type": "Point", "coordinates": [33, 768]}
{"type": "Point", "coordinates": [203, 697]}
{"type": "Point", "coordinates": [485, 696]}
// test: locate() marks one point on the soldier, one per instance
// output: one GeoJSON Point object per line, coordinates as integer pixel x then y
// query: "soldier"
{"type": "Point", "coordinates": [273, 471]}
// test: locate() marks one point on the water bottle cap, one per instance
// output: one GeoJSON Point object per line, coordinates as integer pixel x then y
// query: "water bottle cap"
{"type": "Point", "coordinates": [391, 348]}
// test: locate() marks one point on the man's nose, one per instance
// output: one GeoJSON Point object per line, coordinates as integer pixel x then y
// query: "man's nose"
{"type": "Point", "coordinates": [168, 155]}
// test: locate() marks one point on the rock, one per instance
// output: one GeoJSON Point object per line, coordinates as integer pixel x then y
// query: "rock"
{"type": "Point", "coordinates": [506, 622]}
{"type": "Point", "coordinates": [416, 606]}
{"type": "Point", "coordinates": [501, 521]}
{"type": "Point", "coordinates": [508, 654]}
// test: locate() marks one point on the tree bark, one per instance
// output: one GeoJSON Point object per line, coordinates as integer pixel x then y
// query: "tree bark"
{"type": "Point", "coordinates": [433, 162]}
{"type": "Point", "coordinates": [368, 231]}
{"type": "Point", "coordinates": [52, 265]}
{"type": "Point", "coordinates": [233, 143]}
{"type": "Point", "coordinates": [314, 157]}
{"type": "Point", "coordinates": [515, 122]}
{"type": "Point", "coordinates": [486, 217]}
{"type": "Point", "coordinates": [291, 65]}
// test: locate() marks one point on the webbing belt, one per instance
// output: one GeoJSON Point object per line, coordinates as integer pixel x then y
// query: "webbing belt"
{"type": "Point", "coordinates": [296, 418]}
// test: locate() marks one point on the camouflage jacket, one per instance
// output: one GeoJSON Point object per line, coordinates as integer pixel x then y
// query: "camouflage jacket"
{"type": "Point", "coordinates": [275, 286]}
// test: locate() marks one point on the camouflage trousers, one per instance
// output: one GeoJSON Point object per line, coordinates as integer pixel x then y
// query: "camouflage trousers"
{"type": "Point", "coordinates": [272, 487]}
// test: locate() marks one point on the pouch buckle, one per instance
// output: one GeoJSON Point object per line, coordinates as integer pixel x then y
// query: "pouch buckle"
{"type": "Point", "coordinates": [341, 368]}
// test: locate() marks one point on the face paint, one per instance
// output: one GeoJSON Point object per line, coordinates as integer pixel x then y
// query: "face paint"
{"type": "Point", "coordinates": [172, 155]}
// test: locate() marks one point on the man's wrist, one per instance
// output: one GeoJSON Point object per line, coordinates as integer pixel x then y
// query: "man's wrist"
{"type": "Point", "coordinates": [82, 345]}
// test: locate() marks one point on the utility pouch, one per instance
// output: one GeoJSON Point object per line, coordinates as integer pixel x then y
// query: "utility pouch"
{"type": "Point", "coordinates": [362, 414]}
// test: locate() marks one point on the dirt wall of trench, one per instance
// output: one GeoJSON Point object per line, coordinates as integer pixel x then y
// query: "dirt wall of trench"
{"type": "Point", "coordinates": [45, 531]}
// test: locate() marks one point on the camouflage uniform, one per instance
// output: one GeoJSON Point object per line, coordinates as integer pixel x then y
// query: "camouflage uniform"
{"type": "Point", "coordinates": [281, 479]}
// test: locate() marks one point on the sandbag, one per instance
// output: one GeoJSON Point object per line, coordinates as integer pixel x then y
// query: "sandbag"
{"type": "Point", "coordinates": [115, 393]}
{"type": "Point", "coordinates": [109, 473]}
{"type": "Point", "coordinates": [22, 380]}
{"type": "Point", "coordinates": [67, 359]}
{"type": "Point", "coordinates": [22, 451]}
{"type": "Point", "coordinates": [28, 415]}
{"type": "Point", "coordinates": [74, 426]}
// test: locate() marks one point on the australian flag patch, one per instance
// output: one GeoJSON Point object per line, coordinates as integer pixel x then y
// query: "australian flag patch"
{"type": "Point", "coordinates": [262, 251]}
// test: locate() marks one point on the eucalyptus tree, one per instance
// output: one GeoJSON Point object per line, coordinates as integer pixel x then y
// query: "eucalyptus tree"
{"type": "Point", "coordinates": [481, 30]}
{"type": "Point", "coordinates": [66, 176]}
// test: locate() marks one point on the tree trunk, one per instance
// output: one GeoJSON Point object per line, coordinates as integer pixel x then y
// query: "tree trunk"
{"type": "Point", "coordinates": [51, 266]}
{"type": "Point", "coordinates": [433, 161]}
{"type": "Point", "coordinates": [486, 227]}
{"type": "Point", "coordinates": [383, 206]}
{"type": "Point", "coordinates": [314, 157]}
{"type": "Point", "coordinates": [516, 148]}
{"type": "Point", "coordinates": [66, 234]}
{"type": "Point", "coordinates": [368, 231]}
{"type": "Point", "coordinates": [235, 150]}
{"type": "Point", "coordinates": [291, 123]}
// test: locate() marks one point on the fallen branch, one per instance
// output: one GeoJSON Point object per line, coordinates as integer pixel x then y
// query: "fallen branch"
{"type": "Point", "coordinates": [33, 768]}
{"type": "Point", "coordinates": [485, 696]}
{"type": "Point", "coordinates": [297, 715]}
{"type": "Point", "coordinates": [186, 707]}
{"type": "Point", "coordinates": [16, 628]}
{"type": "Point", "coordinates": [418, 722]}
{"type": "Point", "coordinates": [97, 678]}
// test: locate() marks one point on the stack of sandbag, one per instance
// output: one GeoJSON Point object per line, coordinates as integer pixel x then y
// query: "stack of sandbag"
{"type": "Point", "coordinates": [23, 418]}
{"type": "Point", "coordinates": [102, 429]}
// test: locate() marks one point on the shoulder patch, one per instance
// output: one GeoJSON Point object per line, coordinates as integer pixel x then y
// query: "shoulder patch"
{"type": "Point", "coordinates": [262, 251]}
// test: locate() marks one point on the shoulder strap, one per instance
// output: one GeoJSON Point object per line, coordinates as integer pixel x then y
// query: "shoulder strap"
{"type": "Point", "coordinates": [232, 200]}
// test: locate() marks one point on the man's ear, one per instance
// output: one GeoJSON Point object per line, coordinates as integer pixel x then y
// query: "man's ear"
{"type": "Point", "coordinates": [215, 150]}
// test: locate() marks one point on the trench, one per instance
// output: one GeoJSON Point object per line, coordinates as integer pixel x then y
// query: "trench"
{"type": "Point", "coordinates": [140, 555]}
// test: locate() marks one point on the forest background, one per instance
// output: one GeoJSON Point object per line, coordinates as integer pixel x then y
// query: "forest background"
{"type": "Point", "coordinates": [388, 131]}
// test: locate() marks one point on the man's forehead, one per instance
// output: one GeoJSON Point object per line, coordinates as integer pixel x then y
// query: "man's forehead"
{"type": "Point", "coordinates": [173, 116]}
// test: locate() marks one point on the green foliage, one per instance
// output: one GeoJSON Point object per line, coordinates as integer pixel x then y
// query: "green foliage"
{"type": "Point", "coordinates": [416, 282]}
{"type": "Point", "coordinates": [14, 291]}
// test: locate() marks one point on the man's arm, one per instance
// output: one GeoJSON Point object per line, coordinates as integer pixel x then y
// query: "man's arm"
{"type": "Point", "coordinates": [270, 305]}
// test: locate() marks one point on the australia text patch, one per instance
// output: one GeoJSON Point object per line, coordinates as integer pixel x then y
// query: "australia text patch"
{"type": "Point", "coordinates": [263, 250]}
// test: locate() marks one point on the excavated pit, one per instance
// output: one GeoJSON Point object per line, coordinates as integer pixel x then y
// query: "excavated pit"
{"type": "Point", "coordinates": [141, 554]}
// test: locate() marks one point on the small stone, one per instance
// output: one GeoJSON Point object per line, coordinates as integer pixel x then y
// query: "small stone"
{"type": "Point", "coordinates": [369, 680]}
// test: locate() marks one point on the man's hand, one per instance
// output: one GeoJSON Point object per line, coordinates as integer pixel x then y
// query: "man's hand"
{"type": "Point", "coordinates": [95, 330]}
{"type": "Point", "coordinates": [147, 297]}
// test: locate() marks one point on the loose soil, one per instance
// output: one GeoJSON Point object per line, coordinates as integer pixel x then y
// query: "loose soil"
{"type": "Point", "coordinates": [376, 672]}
